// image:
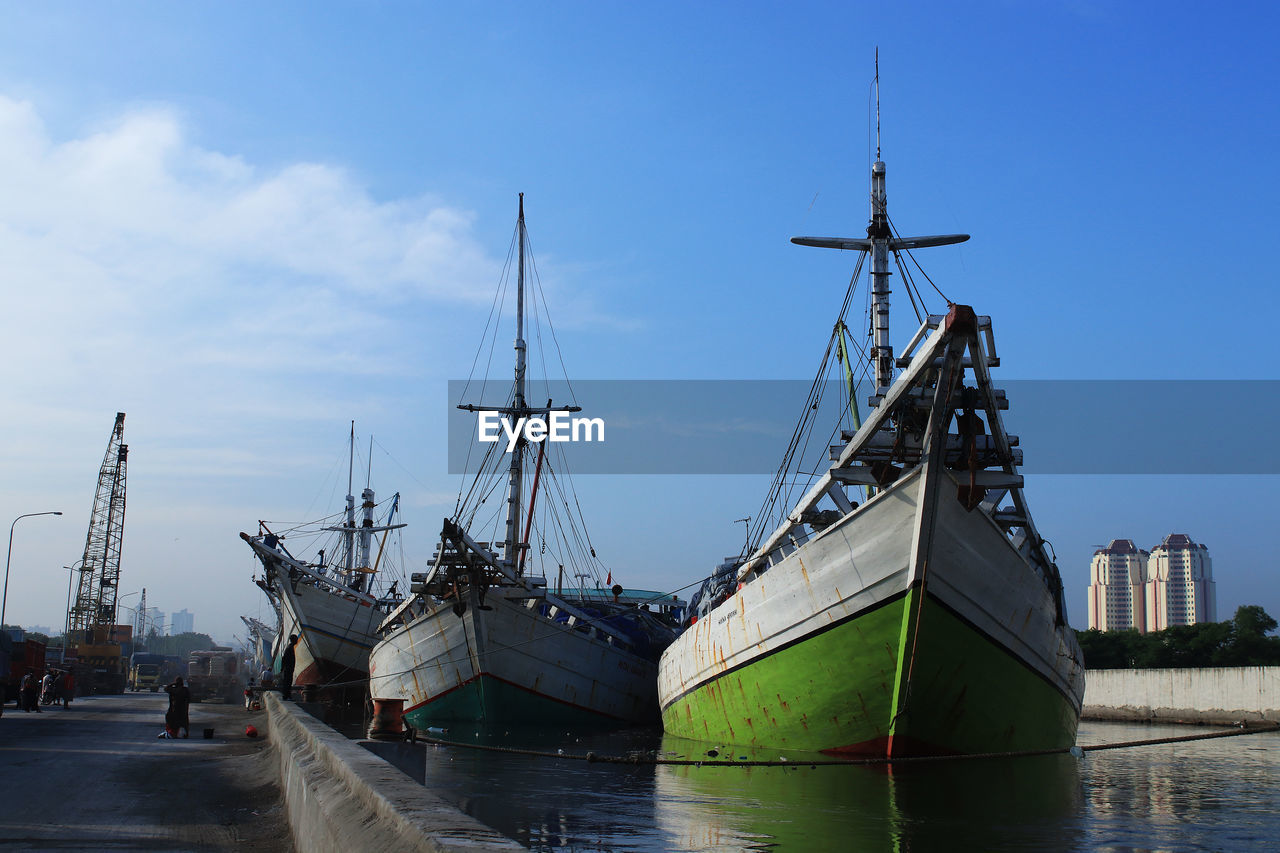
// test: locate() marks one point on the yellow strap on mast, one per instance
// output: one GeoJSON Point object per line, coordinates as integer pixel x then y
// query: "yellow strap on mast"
{"type": "Point", "coordinates": [841, 331]}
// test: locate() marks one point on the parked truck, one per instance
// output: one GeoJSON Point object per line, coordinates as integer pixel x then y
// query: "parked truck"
{"type": "Point", "coordinates": [215, 674]}
{"type": "Point", "coordinates": [18, 656]}
{"type": "Point", "coordinates": [103, 659]}
{"type": "Point", "coordinates": [146, 671]}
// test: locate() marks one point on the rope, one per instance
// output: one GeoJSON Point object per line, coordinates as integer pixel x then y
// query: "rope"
{"type": "Point", "coordinates": [912, 257]}
{"type": "Point", "coordinates": [643, 758]}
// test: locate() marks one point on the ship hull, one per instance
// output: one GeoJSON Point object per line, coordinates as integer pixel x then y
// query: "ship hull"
{"type": "Point", "coordinates": [853, 645]}
{"type": "Point", "coordinates": [510, 661]}
{"type": "Point", "coordinates": [336, 633]}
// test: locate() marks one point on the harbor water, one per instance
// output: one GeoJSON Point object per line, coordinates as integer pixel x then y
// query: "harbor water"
{"type": "Point", "coordinates": [1221, 794]}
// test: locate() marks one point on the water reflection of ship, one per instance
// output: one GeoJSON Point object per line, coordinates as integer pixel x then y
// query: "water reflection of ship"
{"type": "Point", "coordinates": [995, 804]}
{"type": "Point", "coordinates": [550, 804]}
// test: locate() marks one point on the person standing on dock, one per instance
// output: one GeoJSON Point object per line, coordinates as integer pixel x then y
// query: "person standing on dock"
{"type": "Point", "coordinates": [287, 661]}
{"type": "Point", "coordinates": [68, 688]}
{"type": "Point", "coordinates": [47, 695]}
{"type": "Point", "coordinates": [27, 696]}
{"type": "Point", "coordinates": [179, 714]}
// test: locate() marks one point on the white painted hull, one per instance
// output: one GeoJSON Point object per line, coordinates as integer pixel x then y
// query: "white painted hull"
{"type": "Point", "coordinates": [510, 663]}
{"type": "Point", "coordinates": [335, 631]}
{"type": "Point", "coordinates": [853, 568]}
{"type": "Point", "coordinates": [832, 577]}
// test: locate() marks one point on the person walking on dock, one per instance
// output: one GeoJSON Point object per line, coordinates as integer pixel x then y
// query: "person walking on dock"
{"type": "Point", "coordinates": [287, 661]}
{"type": "Point", "coordinates": [179, 714]}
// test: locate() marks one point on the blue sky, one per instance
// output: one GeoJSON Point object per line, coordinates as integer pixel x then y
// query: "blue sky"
{"type": "Point", "coordinates": [246, 226]}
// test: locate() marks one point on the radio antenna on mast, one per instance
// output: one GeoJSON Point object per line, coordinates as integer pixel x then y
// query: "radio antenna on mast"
{"type": "Point", "coordinates": [877, 103]}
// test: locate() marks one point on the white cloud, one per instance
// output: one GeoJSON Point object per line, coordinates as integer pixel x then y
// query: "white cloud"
{"type": "Point", "coordinates": [131, 252]}
{"type": "Point", "coordinates": [238, 315]}
{"type": "Point", "coordinates": [235, 313]}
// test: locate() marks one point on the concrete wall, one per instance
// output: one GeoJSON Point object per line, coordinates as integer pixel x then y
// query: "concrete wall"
{"type": "Point", "coordinates": [340, 797]}
{"type": "Point", "coordinates": [1218, 696]}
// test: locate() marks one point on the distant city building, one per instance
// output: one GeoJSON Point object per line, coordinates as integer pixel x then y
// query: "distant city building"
{"type": "Point", "coordinates": [1133, 590]}
{"type": "Point", "coordinates": [182, 622]}
{"type": "Point", "coordinates": [1116, 579]}
{"type": "Point", "coordinates": [154, 621]}
{"type": "Point", "coordinates": [1179, 588]}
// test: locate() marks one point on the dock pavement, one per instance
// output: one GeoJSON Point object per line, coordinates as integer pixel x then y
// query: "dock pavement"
{"type": "Point", "coordinates": [96, 777]}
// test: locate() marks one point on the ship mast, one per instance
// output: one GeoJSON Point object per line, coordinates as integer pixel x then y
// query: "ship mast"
{"type": "Point", "coordinates": [348, 530]}
{"type": "Point", "coordinates": [880, 242]}
{"type": "Point", "coordinates": [517, 413]}
{"type": "Point", "coordinates": [355, 559]}
{"type": "Point", "coordinates": [515, 473]}
{"type": "Point", "coordinates": [879, 234]}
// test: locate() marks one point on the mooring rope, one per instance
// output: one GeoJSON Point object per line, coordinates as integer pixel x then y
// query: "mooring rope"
{"type": "Point", "coordinates": [647, 758]}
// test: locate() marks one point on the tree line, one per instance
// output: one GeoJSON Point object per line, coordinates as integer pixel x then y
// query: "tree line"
{"type": "Point", "coordinates": [1243, 641]}
{"type": "Point", "coordinates": [177, 644]}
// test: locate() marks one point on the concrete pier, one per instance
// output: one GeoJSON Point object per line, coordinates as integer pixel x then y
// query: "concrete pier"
{"type": "Point", "coordinates": [95, 777]}
{"type": "Point", "coordinates": [1219, 696]}
{"type": "Point", "coordinates": [340, 797]}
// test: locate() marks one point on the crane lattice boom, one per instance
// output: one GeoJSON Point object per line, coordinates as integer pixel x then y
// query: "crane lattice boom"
{"type": "Point", "coordinates": [95, 605]}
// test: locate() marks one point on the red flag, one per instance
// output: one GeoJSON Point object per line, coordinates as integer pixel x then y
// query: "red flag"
{"type": "Point", "coordinates": [609, 580]}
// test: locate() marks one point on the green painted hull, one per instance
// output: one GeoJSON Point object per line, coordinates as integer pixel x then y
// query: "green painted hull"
{"type": "Point", "coordinates": [493, 701]}
{"type": "Point", "coordinates": [875, 685]}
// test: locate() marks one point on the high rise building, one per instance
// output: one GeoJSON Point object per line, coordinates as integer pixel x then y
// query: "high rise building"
{"type": "Point", "coordinates": [1116, 578]}
{"type": "Point", "coordinates": [155, 621]}
{"type": "Point", "coordinates": [1179, 584]}
{"type": "Point", "coordinates": [182, 622]}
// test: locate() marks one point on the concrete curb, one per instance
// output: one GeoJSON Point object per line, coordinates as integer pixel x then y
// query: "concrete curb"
{"type": "Point", "coordinates": [341, 797]}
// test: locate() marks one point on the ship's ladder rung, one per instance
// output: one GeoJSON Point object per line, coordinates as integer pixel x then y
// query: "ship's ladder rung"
{"type": "Point", "coordinates": [932, 323]}
{"type": "Point", "coordinates": [923, 397]}
{"type": "Point", "coordinates": [990, 479]}
{"type": "Point", "coordinates": [884, 441]}
{"type": "Point", "coordinates": [911, 456]}
{"type": "Point", "coordinates": [1009, 518]}
{"type": "Point", "coordinates": [862, 475]}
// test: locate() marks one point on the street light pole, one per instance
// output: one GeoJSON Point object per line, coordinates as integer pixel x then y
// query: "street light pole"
{"type": "Point", "coordinates": [66, 629]}
{"type": "Point", "coordinates": [5, 600]}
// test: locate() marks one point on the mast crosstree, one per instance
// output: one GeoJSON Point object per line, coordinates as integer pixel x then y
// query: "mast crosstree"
{"type": "Point", "coordinates": [880, 241]}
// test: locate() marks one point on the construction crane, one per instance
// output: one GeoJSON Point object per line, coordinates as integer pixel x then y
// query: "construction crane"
{"type": "Point", "coordinates": [140, 619]}
{"type": "Point", "coordinates": [100, 643]}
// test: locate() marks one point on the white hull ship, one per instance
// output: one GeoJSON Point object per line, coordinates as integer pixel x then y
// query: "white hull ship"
{"type": "Point", "coordinates": [507, 650]}
{"type": "Point", "coordinates": [483, 638]}
{"type": "Point", "coordinates": [924, 618]}
{"type": "Point", "coordinates": [334, 603]}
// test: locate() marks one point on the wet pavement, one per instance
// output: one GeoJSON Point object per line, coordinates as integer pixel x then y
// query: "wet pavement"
{"type": "Point", "coordinates": [96, 777]}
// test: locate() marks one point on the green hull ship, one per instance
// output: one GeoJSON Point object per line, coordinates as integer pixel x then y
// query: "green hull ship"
{"type": "Point", "coordinates": [906, 605]}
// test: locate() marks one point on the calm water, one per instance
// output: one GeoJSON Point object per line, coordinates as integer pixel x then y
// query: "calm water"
{"type": "Point", "coordinates": [1211, 795]}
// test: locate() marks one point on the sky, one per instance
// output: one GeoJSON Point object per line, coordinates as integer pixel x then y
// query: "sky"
{"type": "Point", "coordinates": [247, 225]}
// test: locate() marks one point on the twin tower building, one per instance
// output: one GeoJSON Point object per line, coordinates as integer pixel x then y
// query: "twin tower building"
{"type": "Point", "coordinates": [1135, 590]}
